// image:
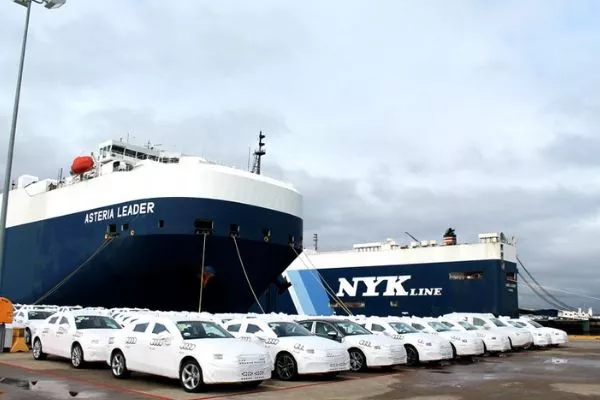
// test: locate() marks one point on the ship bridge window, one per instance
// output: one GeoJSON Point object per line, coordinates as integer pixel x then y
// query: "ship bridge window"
{"type": "Point", "coordinates": [118, 150]}
{"type": "Point", "coordinates": [142, 156]}
{"type": "Point", "coordinates": [459, 276]}
{"type": "Point", "coordinates": [511, 277]}
{"type": "Point", "coordinates": [130, 153]}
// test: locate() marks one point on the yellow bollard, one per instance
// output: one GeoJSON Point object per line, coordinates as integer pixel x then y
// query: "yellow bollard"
{"type": "Point", "coordinates": [18, 341]}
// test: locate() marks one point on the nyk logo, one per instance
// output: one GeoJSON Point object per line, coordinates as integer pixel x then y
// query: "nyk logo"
{"type": "Point", "coordinates": [373, 286]}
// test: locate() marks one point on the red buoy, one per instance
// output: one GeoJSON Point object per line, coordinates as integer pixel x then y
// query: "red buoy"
{"type": "Point", "coordinates": [82, 164]}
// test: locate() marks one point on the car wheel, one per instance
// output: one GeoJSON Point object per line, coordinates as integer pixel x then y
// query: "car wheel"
{"type": "Point", "coordinates": [77, 356]}
{"type": "Point", "coordinates": [358, 361]}
{"type": "Point", "coordinates": [38, 354]}
{"type": "Point", "coordinates": [118, 365]}
{"type": "Point", "coordinates": [286, 368]}
{"type": "Point", "coordinates": [412, 355]}
{"type": "Point", "coordinates": [454, 355]}
{"type": "Point", "coordinates": [190, 376]}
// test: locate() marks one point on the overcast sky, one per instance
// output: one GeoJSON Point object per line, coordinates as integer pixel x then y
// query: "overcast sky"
{"type": "Point", "coordinates": [389, 116]}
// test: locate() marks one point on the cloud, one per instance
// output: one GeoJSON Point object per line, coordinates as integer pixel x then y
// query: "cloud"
{"type": "Point", "coordinates": [389, 118]}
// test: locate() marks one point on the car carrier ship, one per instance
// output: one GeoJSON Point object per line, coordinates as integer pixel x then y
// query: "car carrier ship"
{"type": "Point", "coordinates": [421, 278]}
{"type": "Point", "coordinates": [135, 226]}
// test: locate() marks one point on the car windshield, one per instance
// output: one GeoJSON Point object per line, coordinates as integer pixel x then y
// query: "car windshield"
{"type": "Point", "coordinates": [467, 326]}
{"type": "Point", "coordinates": [537, 325]}
{"type": "Point", "coordinates": [520, 324]}
{"type": "Point", "coordinates": [439, 327]}
{"type": "Point", "coordinates": [497, 322]}
{"type": "Point", "coordinates": [39, 314]}
{"type": "Point", "coordinates": [403, 328]}
{"type": "Point", "coordinates": [350, 328]}
{"type": "Point", "coordinates": [95, 322]}
{"type": "Point", "coordinates": [201, 330]}
{"type": "Point", "coordinates": [287, 329]}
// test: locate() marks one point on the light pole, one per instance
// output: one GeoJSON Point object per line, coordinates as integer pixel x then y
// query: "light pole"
{"type": "Point", "coordinates": [51, 4]}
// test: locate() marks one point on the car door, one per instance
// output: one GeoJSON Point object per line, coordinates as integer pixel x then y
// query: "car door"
{"type": "Point", "coordinates": [159, 343]}
{"type": "Point", "coordinates": [62, 338]}
{"type": "Point", "coordinates": [48, 335]}
{"type": "Point", "coordinates": [134, 349]}
{"type": "Point", "coordinates": [254, 333]}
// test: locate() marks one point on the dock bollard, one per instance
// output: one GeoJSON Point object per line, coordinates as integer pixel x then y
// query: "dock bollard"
{"type": "Point", "coordinates": [18, 341]}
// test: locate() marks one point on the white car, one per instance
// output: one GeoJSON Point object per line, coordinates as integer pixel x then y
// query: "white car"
{"type": "Point", "coordinates": [494, 342]}
{"type": "Point", "coordinates": [557, 336]}
{"type": "Point", "coordinates": [541, 338]}
{"type": "Point", "coordinates": [196, 352]}
{"type": "Point", "coordinates": [463, 344]}
{"type": "Point", "coordinates": [420, 347]}
{"type": "Point", "coordinates": [294, 350]}
{"type": "Point", "coordinates": [518, 337]}
{"type": "Point", "coordinates": [30, 319]}
{"type": "Point", "coordinates": [365, 348]}
{"type": "Point", "coordinates": [80, 335]}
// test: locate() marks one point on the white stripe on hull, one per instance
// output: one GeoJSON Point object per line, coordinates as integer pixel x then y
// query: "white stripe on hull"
{"type": "Point", "coordinates": [425, 255]}
{"type": "Point", "coordinates": [154, 180]}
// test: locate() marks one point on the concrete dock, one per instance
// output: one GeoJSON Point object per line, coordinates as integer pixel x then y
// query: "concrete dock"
{"type": "Point", "coordinates": [569, 372]}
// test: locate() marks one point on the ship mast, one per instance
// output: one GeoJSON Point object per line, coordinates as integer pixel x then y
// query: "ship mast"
{"type": "Point", "coordinates": [258, 153]}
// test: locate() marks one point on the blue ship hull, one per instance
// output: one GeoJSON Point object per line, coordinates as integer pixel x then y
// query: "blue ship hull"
{"type": "Point", "coordinates": [66, 261]}
{"type": "Point", "coordinates": [428, 292]}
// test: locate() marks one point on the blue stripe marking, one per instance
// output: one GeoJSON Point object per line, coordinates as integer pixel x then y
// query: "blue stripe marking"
{"type": "Point", "coordinates": [318, 295]}
{"type": "Point", "coordinates": [306, 305]}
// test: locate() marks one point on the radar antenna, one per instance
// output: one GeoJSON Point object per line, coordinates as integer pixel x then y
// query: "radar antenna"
{"type": "Point", "coordinates": [258, 153]}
